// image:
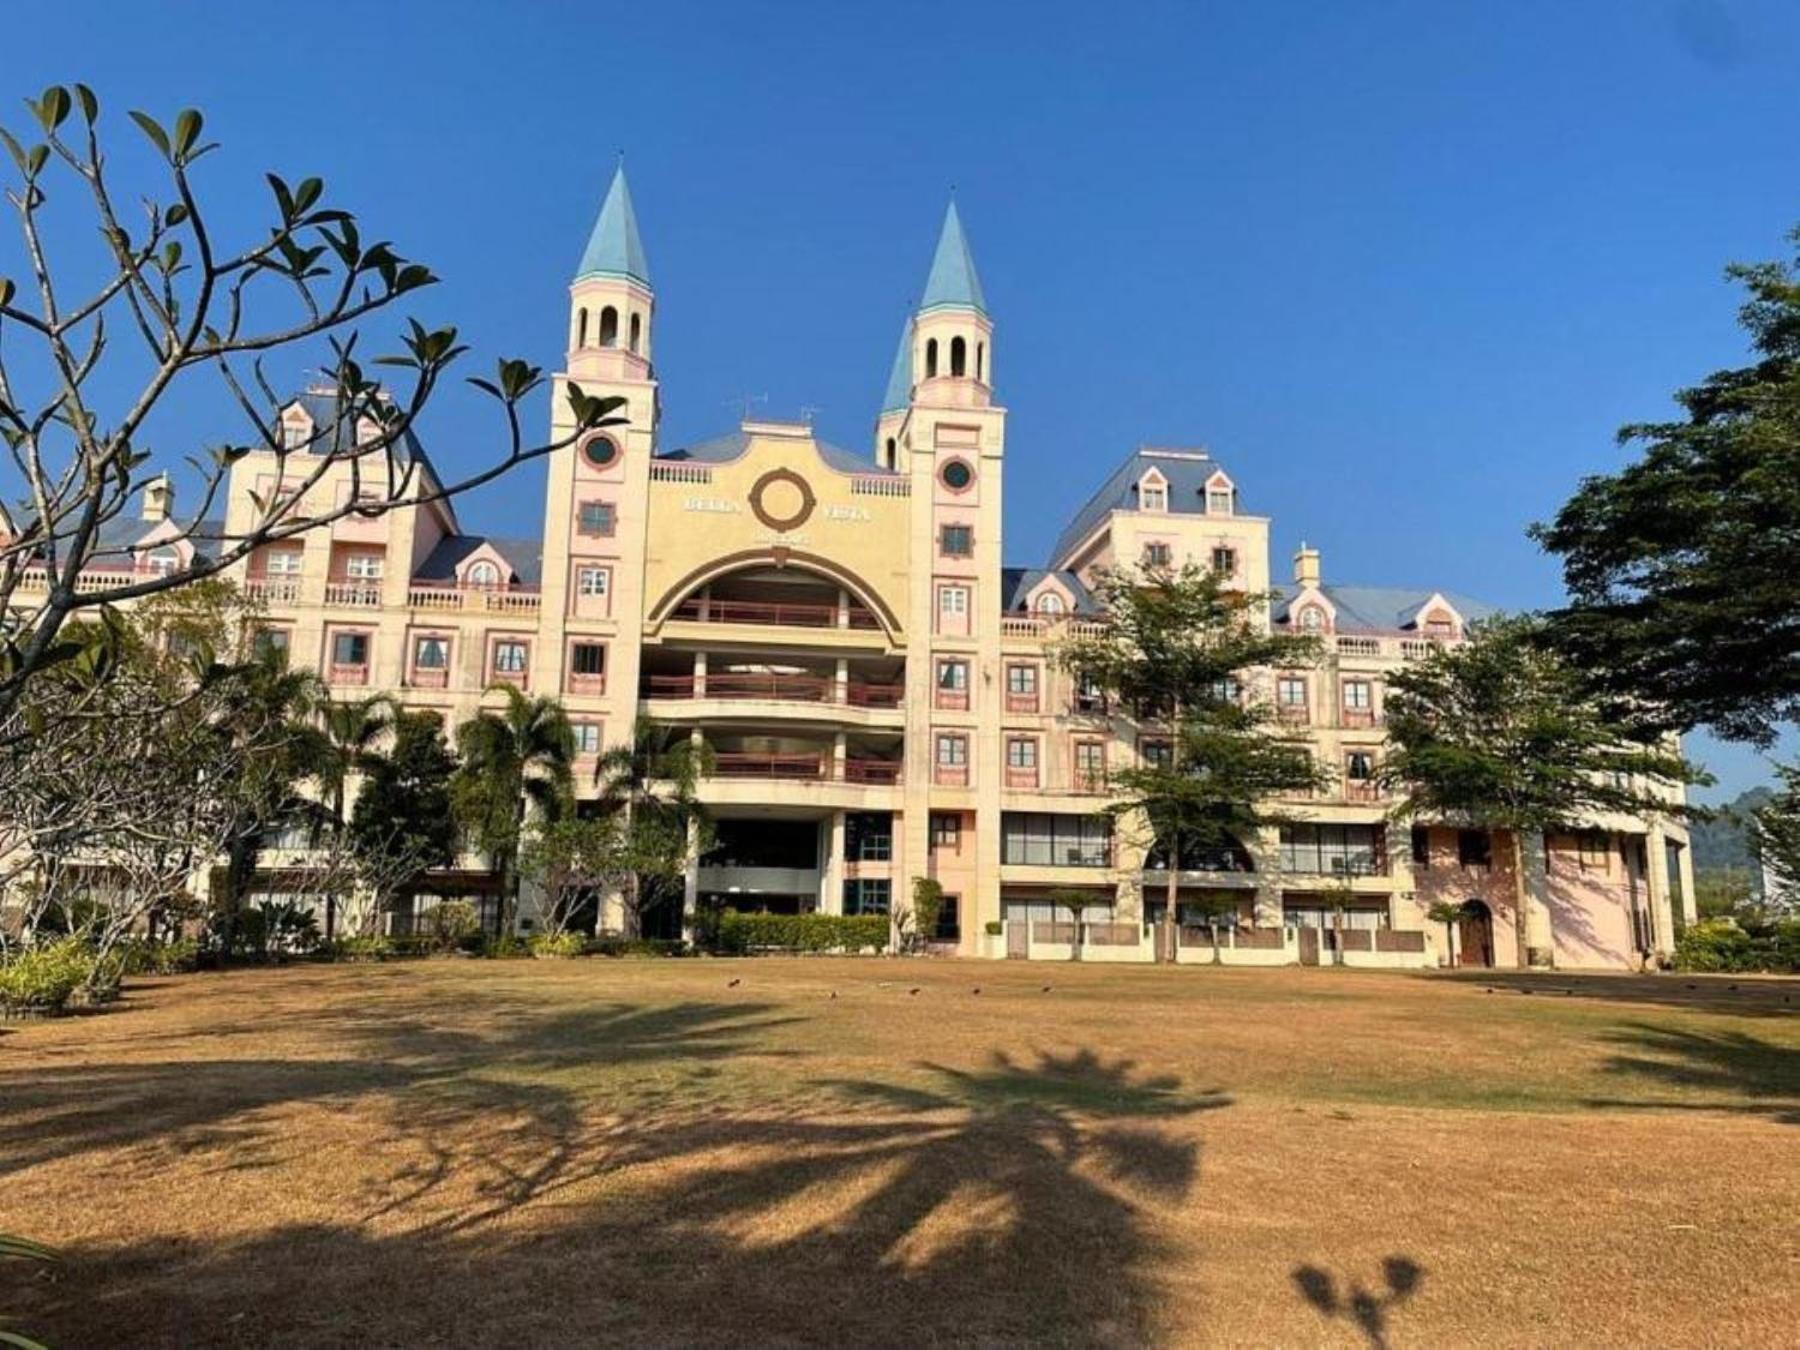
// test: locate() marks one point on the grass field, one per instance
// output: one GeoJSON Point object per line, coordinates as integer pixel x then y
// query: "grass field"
{"type": "Point", "coordinates": [906, 1153]}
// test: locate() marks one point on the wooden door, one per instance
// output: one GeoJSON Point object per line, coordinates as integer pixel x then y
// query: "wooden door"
{"type": "Point", "coordinates": [1018, 936]}
{"type": "Point", "coordinates": [1309, 945]}
{"type": "Point", "coordinates": [1475, 936]}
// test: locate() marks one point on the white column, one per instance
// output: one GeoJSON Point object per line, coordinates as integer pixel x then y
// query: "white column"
{"type": "Point", "coordinates": [690, 882]}
{"type": "Point", "coordinates": [831, 875]}
{"type": "Point", "coordinates": [1656, 865]}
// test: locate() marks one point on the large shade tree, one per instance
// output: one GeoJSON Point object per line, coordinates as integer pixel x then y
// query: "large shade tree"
{"type": "Point", "coordinates": [1499, 733]}
{"type": "Point", "coordinates": [402, 824]}
{"type": "Point", "coordinates": [1775, 835]}
{"type": "Point", "coordinates": [1183, 651]}
{"type": "Point", "coordinates": [161, 307]}
{"type": "Point", "coordinates": [651, 786]}
{"type": "Point", "coordinates": [1684, 598]}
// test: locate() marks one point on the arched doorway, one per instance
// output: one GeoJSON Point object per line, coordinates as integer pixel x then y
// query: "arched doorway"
{"type": "Point", "coordinates": [1475, 935]}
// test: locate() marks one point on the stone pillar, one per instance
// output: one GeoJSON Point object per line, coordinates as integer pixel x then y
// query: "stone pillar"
{"type": "Point", "coordinates": [1684, 870]}
{"type": "Point", "coordinates": [832, 874]}
{"type": "Point", "coordinates": [1656, 865]}
{"type": "Point", "coordinates": [700, 674]}
{"type": "Point", "coordinates": [1540, 943]}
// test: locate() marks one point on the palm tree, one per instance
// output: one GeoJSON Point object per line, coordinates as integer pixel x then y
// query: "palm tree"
{"type": "Point", "coordinates": [512, 759]}
{"type": "Point", "coordinates": [654, 783]}
{"type": "Point", "coordinates": [352, 730]}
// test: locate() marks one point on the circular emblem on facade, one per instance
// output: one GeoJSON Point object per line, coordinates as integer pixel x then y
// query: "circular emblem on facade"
{"type": "Point", "coordinates": [782, 500]}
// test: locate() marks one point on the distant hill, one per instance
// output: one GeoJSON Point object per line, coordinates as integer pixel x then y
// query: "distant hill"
{"type": "Point", "coordinates": [1722, 843]}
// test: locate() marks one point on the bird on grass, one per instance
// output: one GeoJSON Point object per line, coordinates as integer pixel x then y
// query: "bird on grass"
{"type": "Point", "coordinates": [913, 990]}
{"type": "Point", "coordinates": [834, 993]}
{"type": "Point", "coordinates": [733, 984]}
{"type": "Point", "coordinates": [975, 990]}
{"type": "Point", "coordinates": [1046, 989]}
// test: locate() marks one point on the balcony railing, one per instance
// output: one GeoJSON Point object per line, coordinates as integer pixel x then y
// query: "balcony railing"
{"type": "Point", "coordinates": [429, 677]}
{"type": "Point", "coordinates": [951, 700]}
{"type": "Point", "coordinates": [950, 775]}
{"type": "Point", "coordinates": [353, 594]}
{"type": "Point", "coordinates": [1021, 703]}
{"type": "Point", "coordinates": [515, 678]}
{"type": "Point", "coordinates": [336, 674]}
{"type": "Point", "coordinates": [1362, 790]}
{"type": "Point", "coordinates": [1294, 714]}
{"type": "Point", "coordinates": [1358, 717]}
{"type": "Point", "coordinates": [783, 614]}
{"type": "Point", "coordinates": [806, 768]}
{"type": "Point", "coordinates": [591, 685]}
{"type": "Point", "coordinates": [1359, 646]}
{"type": "Point", "coordinates": [1089, 780]}
{"type": "Point", "coordinates": [1021, 778]}
{"type": "Point", "coordinates": [480, 599]}
{"type": "Point", "coordinates": [775, 687]}
{"type": "Point", "coordinates": [89, 581]}
{"type": "Point", "coordinates": [271, 590]}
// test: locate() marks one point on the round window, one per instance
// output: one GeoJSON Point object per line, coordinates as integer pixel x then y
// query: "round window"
{"type": "Point", "coordinates": [600, 452]}
{"type": "Point", "coordinates": [957, 475]}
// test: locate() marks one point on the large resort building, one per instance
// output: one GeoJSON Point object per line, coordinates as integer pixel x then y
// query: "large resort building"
{"type": "Point", "coordinates": [877, 685]}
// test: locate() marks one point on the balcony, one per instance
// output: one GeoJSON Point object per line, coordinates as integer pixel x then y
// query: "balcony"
{"type": "Point", "coordinates": [591, 686]}
{"type": "Point", "coordinates": [353, 594]}
{"type": "Point", "coordinates": [474, 599]}
{"type": "Point", "coordinates": [780, 688]}
{"type": "Point", "coordinates": [1021, 778]}
{"type": "Point", "coordinates": [516, 678]}
{"type": "Point", "coordinates": [273, 590]}
{"type": "Point", "coordinates": [1022, 703]}
{"type": "Point", "coordinates": [1356, 718]}
{"type": "Point", "coordinates": [950, 700]}
{"type": "Point", "coordinates": [348, 675]}
{"type": "Point", "coordinates": [1362, 790]}
{"type": "Point", "coordinates": [429, 677]}
{"type": "Point", "coordinates": [805, 768]}
{"type": "Point", "coordinates": [1089, 781]}
{"type": "Point", "coordinates": [950, 775]}
{"type": "Point", "coordinates": [1293, 714]}
{"type": "Point", "coordinates": [783, 614]}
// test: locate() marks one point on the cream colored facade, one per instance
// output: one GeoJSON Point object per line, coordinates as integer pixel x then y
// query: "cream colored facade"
{"type": "Point", "coordinates": [878, 690]}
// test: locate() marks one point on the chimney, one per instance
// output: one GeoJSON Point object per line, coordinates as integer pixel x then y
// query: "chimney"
{"type": "Point", "coordinates": [1306, 566]}
{"type": "Point", "coordinates": [159, 496]}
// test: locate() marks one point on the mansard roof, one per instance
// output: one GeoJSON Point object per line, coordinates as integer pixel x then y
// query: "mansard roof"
{"type": "Point", "coordinates": [1380, 609]}
{"type": "Point", "coordinates": [952, 280]}
{"type": "Point", "coordinates": [732, 445]}
{"type": "Point", "coordinates": [1017, 584]}
{"type": "Point", "coordinates": [523, 554]}
{"type": "Point", "coordinates": [1185, 471]}
{"type": "Point", "coordinates": [614, 248]}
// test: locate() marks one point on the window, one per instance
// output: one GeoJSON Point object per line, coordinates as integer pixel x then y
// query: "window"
{"type": "Point", "coordinates": [600, 451]}
{"type": "Point", "coordinates": [593, 582]}
{"type": "Point", "coordinates": [587, 737]}
{"type": "Point", "coordinates": [483, 573]}
{"type": "Point", "coordinates": [1474, 848]}
{"type": "Point", "coordinates": [1439, 625]}
{"type": "Point", "coordinates": [588, 659]}
{"type": "Point", "coordinates": [596, 518]}
{"type": "Point", "coordinates": [1312, 619]}
{"type": "Point", "coordinates": [956, 541]}
{"type": "Point", "coordinates": [1044, 839]}
{"type": "Point", "coordinates": [1591, 848]}
{"type": "Point", "coordinates": [1022, 754]}
{"type": "Point", "coordinates": [1021, 688]}
{"type": "Point", "coordinates": [282, 562]}
{"type": "Point", "coordinates": [272, 644]}
{"type": "Point", "coordinates": [1333, 850]}
{"type": "Point", "coordinates": [1356, 695]}
{"type": "Point", "coordinates": [953, 600]}
{"type": "Point", "coordinates": [1089, 696]}
{"type": "Point", "coordinates": [952, 750]}
{"type": "Point", "coordinates": [580, 328]}
{"type": "Point", "coordinates": [350, 649]}
{"type": "Point", "coordinates": [296, 434]}
{"type": "Point", "coordinates": [609, 327]}
{"type": "Point", "coordinates": [946, 830]}
{"type": "Point", "coordinates": [869, 836]}
{"type": "Point", "coordinates": [949, 923]}
{"type": "Point", "coordinates": [931, 359]}
{"type": "Point", "coordinates": [1224, 561]}
{"type": "Point", "coordinates": [1153, 496]}
{"type": "Point", "coordinates": [1158, 754]}
{"type": "Point", "coordinates": [1050, 603]}
{"type": "Point", "coordinates": [953, 683]}
{"type": "Point", "coordinates": [1218, 501]}
{"type": "Point", "coordinates": [509, 657]}
{"type": "Point", "coordinates": [1226, 689]}
{"type": "Point", "coordinates": [956, 475]}
{"type": "Point", "coordinates": [1359, 766]}
{"type": "Point", "coordinates": [1421, 845]}
{"type": "Point", "coordinates": [1090, 763]}
{"type": "Point", "coordinates": [431, 653]}
{"type": "Point", "coordinates": [868, 895]}
{"type": "Point", "coordinates": [1290, 691]}
{"type": "Point", "coordinates": [1156, 555]}
{"type": "Point", "coordinates": [981, 360]}
{"type": "Point", "coordinates": [363, 566]}
{"type": "Point", "coordinates": [637, 330]}
{"type": "Point", "coordinates": [959, 357]}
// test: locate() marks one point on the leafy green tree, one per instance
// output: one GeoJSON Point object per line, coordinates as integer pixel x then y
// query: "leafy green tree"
{"type": "Point", "coordinates": [1684, 609]}
{"type": "Point", "coordinates": [1775, 834]}
{"type": "Point", "coordinates": [512, 759]}
{"type": "Point", "coordinates": [402, 824]}
{"type": "Point", "coordinates": [653, 785]}
{"type": "Point", "coordinates": [1723, 893]}
{"type": "Point", "coordinates": [927, 906]}
{"type": "Point", "coordinates": [1498, 733]}
{"type": "Point", "coordinates": [572, 857]}
{"type": "Point", "coordinates": [1448, 914]}
{"type": "Point", "coordinates": [163, 303]}
{"type": "Point", "coordinates": [1179, 652]}
{"type": "Point", "coordinates": [1076, 901]}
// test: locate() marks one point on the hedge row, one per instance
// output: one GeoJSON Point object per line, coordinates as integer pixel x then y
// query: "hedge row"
{"type": "Point", "coordinates": [1721, 945]}
{"type": "Point", "coordinates": [802, 932]}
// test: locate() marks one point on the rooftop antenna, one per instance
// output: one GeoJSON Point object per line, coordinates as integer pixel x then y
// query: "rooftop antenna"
{"type": "Point", "coordinates": [808, 411]}
{"type": "Point", "coordinates": [746, 404]}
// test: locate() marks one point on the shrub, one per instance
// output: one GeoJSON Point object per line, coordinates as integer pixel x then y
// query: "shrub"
{"type": "Point", "coordinates": [504, 946]}
{"type": "Point", "coordinates": [43, 979]}
{"type": "Point", "coordinates": [802, 932]}
{"type": "Point", "coordinates": [1723, 945]}
{"type": "Point", "coordinates": [994, 928]}
{"type": "Point", "coordinates": [360, 948]}
{"type": "Point", "coordinates": [142, 957]}
{"type": "Point", "coordinates": [624, 946]}
{"type": "Point", "coordinates": [556, 944]}
{"type": "Point", "coordinates": [452, 924]}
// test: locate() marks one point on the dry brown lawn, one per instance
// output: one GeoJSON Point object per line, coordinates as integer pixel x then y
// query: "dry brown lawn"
{"type": "Point", "coordinates": [906, 1153]}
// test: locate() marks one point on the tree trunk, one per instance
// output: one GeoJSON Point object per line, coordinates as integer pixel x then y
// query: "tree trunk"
{"type": "Point", "coordinates": [1520, 899]}
{"type": "Point", "coordinates": [1171, 918]}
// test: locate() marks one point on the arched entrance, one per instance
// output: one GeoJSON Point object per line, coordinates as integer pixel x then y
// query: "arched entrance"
{"type": "Point", "coordinates": [1475, 935]}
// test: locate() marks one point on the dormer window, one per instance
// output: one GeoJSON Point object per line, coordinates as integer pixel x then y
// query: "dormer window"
{"type": "Point", "coordinates": [1312, 619]}
{"type": "Point", "coordinates": [1218, 501]}
{"type": "Point", "coordinates": [1153, 495]}
{"type": "Point", "coordinates": [1050, 603]}
{"type": "Point", "coordinates": [296, 432]}
{"type": "Point", "coordinates": [483, 573]}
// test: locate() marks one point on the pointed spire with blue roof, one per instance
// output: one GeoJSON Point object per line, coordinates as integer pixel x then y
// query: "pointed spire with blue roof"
{"type": "Point", "coordinates": [953, 281]}
{"type": "Point", "coordinates": [899, 385]}
{"type": "Point", "coordinates": [614, 249]}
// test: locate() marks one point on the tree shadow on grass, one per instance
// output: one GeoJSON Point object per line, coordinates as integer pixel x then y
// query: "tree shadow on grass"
{"type": "Point", "coordinates": [1732, 1064]}
{"type": "Point", "coordinates": [1012, 1203]}
{"type": "Point", "coordinates": [1364, 1308]}
{"type": "Point", "coordinates": [1740, 997]}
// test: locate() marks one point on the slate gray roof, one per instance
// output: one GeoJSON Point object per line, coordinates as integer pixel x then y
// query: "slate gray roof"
{"type": "Point", "coordinates": [1381, 609]}
{"type": "Point", "coordinates": [526, 555]}
{"type": "Point", "coordinates": [614, 248]}
{"type": "Point", "coordinates": [1016, 584]}
{"type": "Point", "coordinates": [1186, 475]}
{"type": "Point", "coordinates": [730, 446]}
{"type": "Point", "coordinates": [118, 536]}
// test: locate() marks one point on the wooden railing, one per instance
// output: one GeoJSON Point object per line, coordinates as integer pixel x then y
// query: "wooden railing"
{"type": "Point", "coordinates": [787, 614]}
{"type": "Point", "coordinates": [783, 688]}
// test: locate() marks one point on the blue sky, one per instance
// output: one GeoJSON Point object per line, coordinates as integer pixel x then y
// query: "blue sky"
{"type": "Point", "coordinates": [1404, 267]}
